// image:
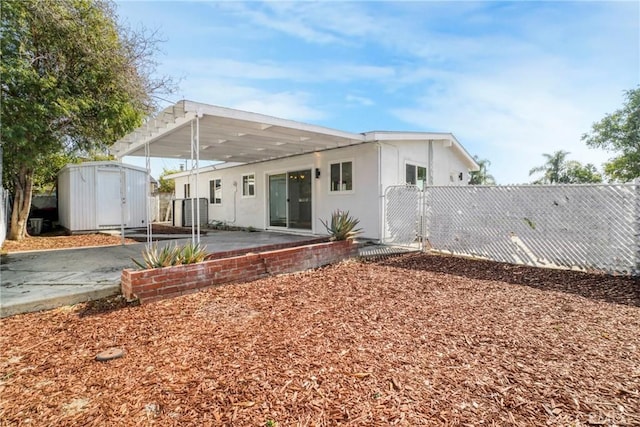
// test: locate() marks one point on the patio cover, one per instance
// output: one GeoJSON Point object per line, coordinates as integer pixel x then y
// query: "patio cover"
{"type": "Point", "coordinates": [197, 131]}
{"type": "Point", "coordinates": [228, 135]}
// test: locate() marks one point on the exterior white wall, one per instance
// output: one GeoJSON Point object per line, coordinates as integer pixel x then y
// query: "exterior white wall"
{"type": "Point", "coordinates": [136, 193]}
{"type": "Point", "coordinates": [362, 202]}
{"type": "Point", "coordinates": [76, 198]}
{"type": "Point", "coordinates": [370, 179]}
{"type": "Point", "coordinates": [79, 190]}
{"type": "Point", "coordinates": [444, 169]}
{"type": "Point", "coordinates": [447, 166]}
{"type": "Point", "coordinates": [64, 192]}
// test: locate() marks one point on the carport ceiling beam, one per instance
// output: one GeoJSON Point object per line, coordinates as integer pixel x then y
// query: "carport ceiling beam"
{"type": "Point", "coordinates": [139, 140]}
{"type": "Point", "coordinates": [264, 120]}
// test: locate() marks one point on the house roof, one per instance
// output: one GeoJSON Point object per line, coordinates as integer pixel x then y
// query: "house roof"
{"type": "Point", "coordinates": [448, 138]}
{"type": "Point", "coordinates": [230, 135]}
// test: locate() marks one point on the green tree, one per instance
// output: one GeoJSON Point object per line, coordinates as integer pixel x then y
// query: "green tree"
{"type": "Point", "coordinates": [553, 168]}
{"type": "Point", "coordinates": [482, 175]}
{"type": "Point", "coordinates": [166, 185]}
{"type": "Point", "coordinates": [72, 81]}
{"type": "Point", "coordinates": [577, 173]}
{"type": "Point", "coordinates": [45, 177]}
{"type": "Point", "coordinates": [619, 132]}
{"type": "Point", "coordinates": [559, 170]}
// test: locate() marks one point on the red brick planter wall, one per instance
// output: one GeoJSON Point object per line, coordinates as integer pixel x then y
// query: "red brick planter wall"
{"type": "Point", "coordinates": [160, 283]}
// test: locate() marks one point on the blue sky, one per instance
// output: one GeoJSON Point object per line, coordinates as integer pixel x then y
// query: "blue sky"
{"type": "Point", "coordinates": [511, 80]}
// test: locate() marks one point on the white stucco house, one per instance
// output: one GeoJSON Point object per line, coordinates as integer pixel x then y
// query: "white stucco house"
{"type": "Point", "coordinates": [288, 176]}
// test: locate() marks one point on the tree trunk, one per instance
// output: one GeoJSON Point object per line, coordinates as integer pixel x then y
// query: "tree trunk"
{"type": "Point", "coordinates": [23, 184]}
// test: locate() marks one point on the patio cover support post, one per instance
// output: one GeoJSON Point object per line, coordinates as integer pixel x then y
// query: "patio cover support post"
{"type": "Point", "coordinates": [193, 229]}
{"type": "Point", "coordinates": [147, 158]}
{"type": "Point", "coordinates": [123, 195]}
{"type": "Point", "coordinates": [198, 170]}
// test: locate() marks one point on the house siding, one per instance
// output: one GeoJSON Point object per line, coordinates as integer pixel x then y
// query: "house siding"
{"type": "Point", "coordinates": [363, 202]}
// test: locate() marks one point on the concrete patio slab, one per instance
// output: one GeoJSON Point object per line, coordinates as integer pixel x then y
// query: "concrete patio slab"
{"type": "Point", "coordinates": [33, 281]}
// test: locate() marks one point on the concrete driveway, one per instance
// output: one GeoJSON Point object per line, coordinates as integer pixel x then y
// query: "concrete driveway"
{"type": "Point", "coordinates": [42, 280]}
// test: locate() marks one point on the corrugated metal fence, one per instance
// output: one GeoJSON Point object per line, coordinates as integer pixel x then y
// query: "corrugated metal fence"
{"type": "Point", "coordinates": [586, 227]}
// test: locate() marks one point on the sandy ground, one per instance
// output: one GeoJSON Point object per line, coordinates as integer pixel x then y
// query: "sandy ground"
{"type": "Point", "coordinates": [414, 340]}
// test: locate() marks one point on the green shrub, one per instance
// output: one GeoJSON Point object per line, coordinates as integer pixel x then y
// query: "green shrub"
{"type": "Point", "coordinates": [152, 257]}
{"type": "Point", "coordinates": [170, 255]}
{"type": "Point", "coordinates": [191, 254]}
{"type": "Point", "coordinates": [342, 226]}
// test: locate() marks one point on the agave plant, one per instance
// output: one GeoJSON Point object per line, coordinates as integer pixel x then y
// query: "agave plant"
{"type": "Point", "coordinates": [342, 226]}
{"type": "Point", "coordinates": [191, 254]}
{"type": "Point", "coordinates": [152, 257]}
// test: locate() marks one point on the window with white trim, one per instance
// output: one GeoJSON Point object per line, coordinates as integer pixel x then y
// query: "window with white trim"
{"type": "Point", "coordinates": [416, 175]}
{"type": "Point", "coordinates": [341, 176]}
{"type": "Point", "coordinates": [215, 191]}
{"type": "Point", "coordinates": [249, 185]}
{"type": "Point", "coordinates": [187, 191]}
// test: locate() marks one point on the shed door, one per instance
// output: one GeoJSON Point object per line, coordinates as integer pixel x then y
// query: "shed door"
{"type": "Point", "coordinates": [108, 197]}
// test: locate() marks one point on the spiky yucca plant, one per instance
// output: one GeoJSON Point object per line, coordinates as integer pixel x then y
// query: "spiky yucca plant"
{"type": "Point", "coordinates": [342, 226]}
{"type": "Point", "coordinates": [152, 257]}
{"type": "Point", "coordinates": [191, 254]}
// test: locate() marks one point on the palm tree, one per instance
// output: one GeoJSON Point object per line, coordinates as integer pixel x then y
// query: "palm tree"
{"type": "Point", "coordinates": [553, 169]}
{"type": "Point", "coordinates": [482, 176]}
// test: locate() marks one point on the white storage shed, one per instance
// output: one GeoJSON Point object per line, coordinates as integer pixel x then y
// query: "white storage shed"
{"type": "Point", "coordinates": [102, 195]}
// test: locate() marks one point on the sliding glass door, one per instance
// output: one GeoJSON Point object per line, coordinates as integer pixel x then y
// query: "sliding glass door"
{"type": "Point", "coordinates": [278, 200]}
{"type": "Point", "coordinates": [290, 200]}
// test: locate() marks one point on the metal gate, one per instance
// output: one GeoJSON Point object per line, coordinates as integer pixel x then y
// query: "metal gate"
{"type": "Point", "coordinates": [403, 208]}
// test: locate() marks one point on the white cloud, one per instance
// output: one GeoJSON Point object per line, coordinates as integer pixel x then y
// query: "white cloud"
{"type": "Point", "coordinates": [292, 71]}
{"type": "Point", "coordinates": [290, 105]}
{"type": "Point", "coordinates": [513, 117]}
{"type": "Point", "coordinates": [283, 17]}
{"type": "Point", "coordinates": [294, 105]}
{"type": "Point", "coordinates": [359, 100]}
{"type": "Point", "coordinates": [512, 80]}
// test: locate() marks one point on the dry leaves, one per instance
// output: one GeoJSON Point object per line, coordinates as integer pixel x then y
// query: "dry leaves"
{"type": "Point", "coordinates": [399, 342]}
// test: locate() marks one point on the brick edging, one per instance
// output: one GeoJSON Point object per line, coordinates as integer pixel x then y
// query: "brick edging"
{"type": "Point", "coordinates": [265, 248]}
{"type": "Point", "coordinates": [160, 283]}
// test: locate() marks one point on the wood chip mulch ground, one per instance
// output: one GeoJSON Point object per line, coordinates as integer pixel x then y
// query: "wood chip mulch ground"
{"type": "Point", "coordinates": [61, 240]}
{"type": "Point", "coordinates": [40, 243]}
{"type": "Point", "coordinates": [415, 340]}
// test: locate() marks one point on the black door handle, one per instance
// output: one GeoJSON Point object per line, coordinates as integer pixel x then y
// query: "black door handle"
{"type": "Point", "coordinates": [288, 200]}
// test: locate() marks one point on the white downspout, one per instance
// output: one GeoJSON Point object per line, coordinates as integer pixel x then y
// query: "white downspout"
{"type": "Point", "coordinates": [235, 202]}
{"type": "Point", "coordinates": [381, 218]}
{"type": "Point", "coordinates": [430, 163]}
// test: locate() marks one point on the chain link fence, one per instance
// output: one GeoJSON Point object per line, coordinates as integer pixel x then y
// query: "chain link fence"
{"type": "Point", "coordinates": [584, 227]}
{"type": "Point", "coordinates": [403, 211]}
